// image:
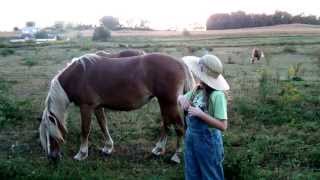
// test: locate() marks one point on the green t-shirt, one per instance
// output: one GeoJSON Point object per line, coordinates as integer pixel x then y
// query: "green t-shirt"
{"type": "Point", "coordinates": [217, 107]}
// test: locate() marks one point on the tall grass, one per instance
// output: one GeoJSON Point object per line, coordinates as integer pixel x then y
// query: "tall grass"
{"type": "Point", "coordinates": [12, 111]}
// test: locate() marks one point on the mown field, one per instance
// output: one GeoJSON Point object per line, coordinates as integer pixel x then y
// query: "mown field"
{"type": "Point", "coordinates": [274, 109]}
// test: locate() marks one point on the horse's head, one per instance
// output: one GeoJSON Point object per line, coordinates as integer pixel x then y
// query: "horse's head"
{"type": "Point", "coordinates": [52, 126]}
{"type": "Point", "coordinates": [52, 135]}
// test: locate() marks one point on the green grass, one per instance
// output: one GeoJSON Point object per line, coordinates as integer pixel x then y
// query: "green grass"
{"type": "Point", "coordinates": [273, 122]}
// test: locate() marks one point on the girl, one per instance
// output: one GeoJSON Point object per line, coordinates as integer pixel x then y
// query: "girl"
{"type": "Point", "coordinates": [206, 118]}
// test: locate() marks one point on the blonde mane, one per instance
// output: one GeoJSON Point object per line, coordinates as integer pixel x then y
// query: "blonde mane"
{"type": "Point", "coordinates": [54, 114]}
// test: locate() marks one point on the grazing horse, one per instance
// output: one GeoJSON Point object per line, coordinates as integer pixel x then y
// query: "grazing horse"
{"type": "Point", "coordinates": [256, 55]}
{"type": "Point", "coordinates": [124, 53]}
{"type": "Point", "coordinates": [95, 82]}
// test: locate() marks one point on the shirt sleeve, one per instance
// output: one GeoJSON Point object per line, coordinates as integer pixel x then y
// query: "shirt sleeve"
{"type": "Point", "coordinates": [220, 106]}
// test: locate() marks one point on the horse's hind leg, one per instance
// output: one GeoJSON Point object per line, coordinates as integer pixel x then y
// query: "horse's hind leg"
{"type": "Point", "coordinates": [108, 147]}
{"type": "Point", "coordinates": [86, 112]}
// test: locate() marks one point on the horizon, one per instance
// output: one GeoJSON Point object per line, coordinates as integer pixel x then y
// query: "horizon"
{"type": "Point", "coordinates": [178, 14]}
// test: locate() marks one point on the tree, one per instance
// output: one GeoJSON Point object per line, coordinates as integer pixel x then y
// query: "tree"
{"type": "Point", "coordinates": [110, 22]}
{"type": "Point", "coordinates": [59, 26]}
{"type": "Point", "coordinates": [242, 20]}
{"type": "Point", "coordinates": [30, 24]}
{"type": "Point", "coordinates": [101, 33]}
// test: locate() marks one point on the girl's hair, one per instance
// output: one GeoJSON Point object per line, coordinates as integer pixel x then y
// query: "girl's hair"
{"type": "Point", "coordinates": [207, 92]}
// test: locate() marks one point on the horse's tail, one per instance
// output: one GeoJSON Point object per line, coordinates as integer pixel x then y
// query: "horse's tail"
{"type": "Point", "coordinates": [189, 83]}
{"type": "Point", "coordinates": [262, 54]}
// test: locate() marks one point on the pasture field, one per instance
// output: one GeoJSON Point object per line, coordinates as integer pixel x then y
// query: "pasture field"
{"type": "Point", "coordinates": [274, 109]}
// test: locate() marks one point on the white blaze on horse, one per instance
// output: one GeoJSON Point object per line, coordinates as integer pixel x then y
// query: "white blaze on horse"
{"type": "Point", "coordinates": [256, 55]}
{"type": "Point", "coordinates": [94, 82]}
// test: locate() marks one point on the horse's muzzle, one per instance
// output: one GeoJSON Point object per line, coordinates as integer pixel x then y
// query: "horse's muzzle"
{"type": "Point", "coordinates": [55, 156]}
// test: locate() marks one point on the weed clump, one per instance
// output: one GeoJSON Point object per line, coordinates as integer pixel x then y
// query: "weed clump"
{"type": "Point", "coordinates": [294, 72]}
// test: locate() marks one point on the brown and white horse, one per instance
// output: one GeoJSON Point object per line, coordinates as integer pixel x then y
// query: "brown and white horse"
{"type": "Point", "coordinates": [95, 82]}
{"type": "Point", "coordinates": [256, 55]}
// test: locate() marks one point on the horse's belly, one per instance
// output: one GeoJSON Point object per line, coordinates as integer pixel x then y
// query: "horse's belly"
{"type": "Point", "coordinates": [127, 104]}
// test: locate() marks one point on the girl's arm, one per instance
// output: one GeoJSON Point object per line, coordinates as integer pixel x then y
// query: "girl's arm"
{"type": "Point", "coordinates": [211, 121]}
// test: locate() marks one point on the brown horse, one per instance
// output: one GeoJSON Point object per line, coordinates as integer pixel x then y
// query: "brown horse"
{"type": "Point", "coordinates": [123, 53]}
{"type": "Point", "coordinates": [95, 82]}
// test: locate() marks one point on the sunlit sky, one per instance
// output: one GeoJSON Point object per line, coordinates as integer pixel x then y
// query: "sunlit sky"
{"type": "Point", "coordinates": [161, 14]}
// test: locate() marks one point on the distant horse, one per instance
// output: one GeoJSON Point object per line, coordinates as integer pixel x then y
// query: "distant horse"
{"type": "Point", "coordinates": [256, 55]}
{"type": "Point", "coordinates": [95, 82]}
{"type": "Point", "coordinates": [123, 53]}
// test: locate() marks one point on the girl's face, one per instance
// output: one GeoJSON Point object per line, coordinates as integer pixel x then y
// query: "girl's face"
{"type": "Point", "coordinates": [202, 84]}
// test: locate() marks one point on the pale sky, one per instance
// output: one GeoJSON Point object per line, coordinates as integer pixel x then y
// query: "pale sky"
{"type": "Point", "coordinates": [162, 14]}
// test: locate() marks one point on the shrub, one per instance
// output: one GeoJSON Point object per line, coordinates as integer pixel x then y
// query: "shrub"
{"type": "Point", "coordinates": [85, 44]}
{"type": "Point", "coordinates": [41, 35]}
{"type": "Point", "coordinates": [294, 72]}
{"type": "Point", "coordinates": [185, 32]}
{"type": "Point", "coordinates": [289, 94]}
{"type": "Point", "coordinates": [230, 61]}
{"type": "Point", "coordinates": [29, 61]}
{"type": "Point", "coordinates": [7, 51]}
{"type": "Point", "coordinates": [267, 83]}
{"type": "Point", "coordinates": [289, 49]}
{"type": "Point", "coordinates": [101, 34]}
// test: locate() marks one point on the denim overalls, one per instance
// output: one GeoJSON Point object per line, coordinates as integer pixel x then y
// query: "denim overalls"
{"type": "Point", "coordinates": [203, 152]}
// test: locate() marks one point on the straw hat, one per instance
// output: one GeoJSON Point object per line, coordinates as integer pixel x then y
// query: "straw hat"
{"type": "Point", "coordinates": [208, 69]}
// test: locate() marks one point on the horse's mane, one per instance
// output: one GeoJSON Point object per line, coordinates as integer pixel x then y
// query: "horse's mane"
{"type": "Point", "coordinates": [83, 60]}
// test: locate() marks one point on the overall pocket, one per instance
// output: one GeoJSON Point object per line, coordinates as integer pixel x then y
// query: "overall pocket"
{"type": "Point", "coordinates": [215, 147]}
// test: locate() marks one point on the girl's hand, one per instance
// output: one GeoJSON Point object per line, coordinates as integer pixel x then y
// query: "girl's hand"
{"type": "Point", "coordinates": [184, 102]}
{"type": "Point", "coordinates": [195, 111]}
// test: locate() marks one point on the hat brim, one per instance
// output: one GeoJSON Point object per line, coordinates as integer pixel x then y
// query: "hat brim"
{"type": "Point", "coordinates": [218, 83]}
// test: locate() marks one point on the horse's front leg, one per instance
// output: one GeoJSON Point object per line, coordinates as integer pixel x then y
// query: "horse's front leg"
{"type": "Point", "coordinates": [86, 112]}
{"type": "Point", "coordinates": [108, 147]}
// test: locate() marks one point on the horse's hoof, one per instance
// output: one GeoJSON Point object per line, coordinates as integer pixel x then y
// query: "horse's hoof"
{"type": "Point", "coordinates": [175, 158]}
{"type": "Point", "coordinates": [80, 156]}
{"type": "Point", "coordinates": [105, 152]}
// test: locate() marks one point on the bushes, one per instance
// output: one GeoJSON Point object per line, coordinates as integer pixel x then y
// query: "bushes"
{"type": "Point", "coordinates": [7, 52]}
{"type": "Point", "coordinates": [41, 35]}
{"type": "Point", "coordinates": [289, 49]}
{"type": "Point", "coordinates": [284, 104]}
{"type": "Point", "coordinates": [101, 34]}
{"type": "Point", "coordinates": [29, 61]}
{"type": "Point", "coordinates": [294, 72]}
{"type": "Point", "coordinates": [185, 32]}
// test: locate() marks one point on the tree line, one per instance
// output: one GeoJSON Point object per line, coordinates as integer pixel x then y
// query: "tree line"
{"type": "Point", "coordinates": [240, 19]}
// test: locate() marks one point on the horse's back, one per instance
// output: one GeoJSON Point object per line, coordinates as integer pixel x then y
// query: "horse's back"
{"type": "Point", "coordinates": [127, 83]}
{"type": "Point", "coordinates": [165, 74]}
